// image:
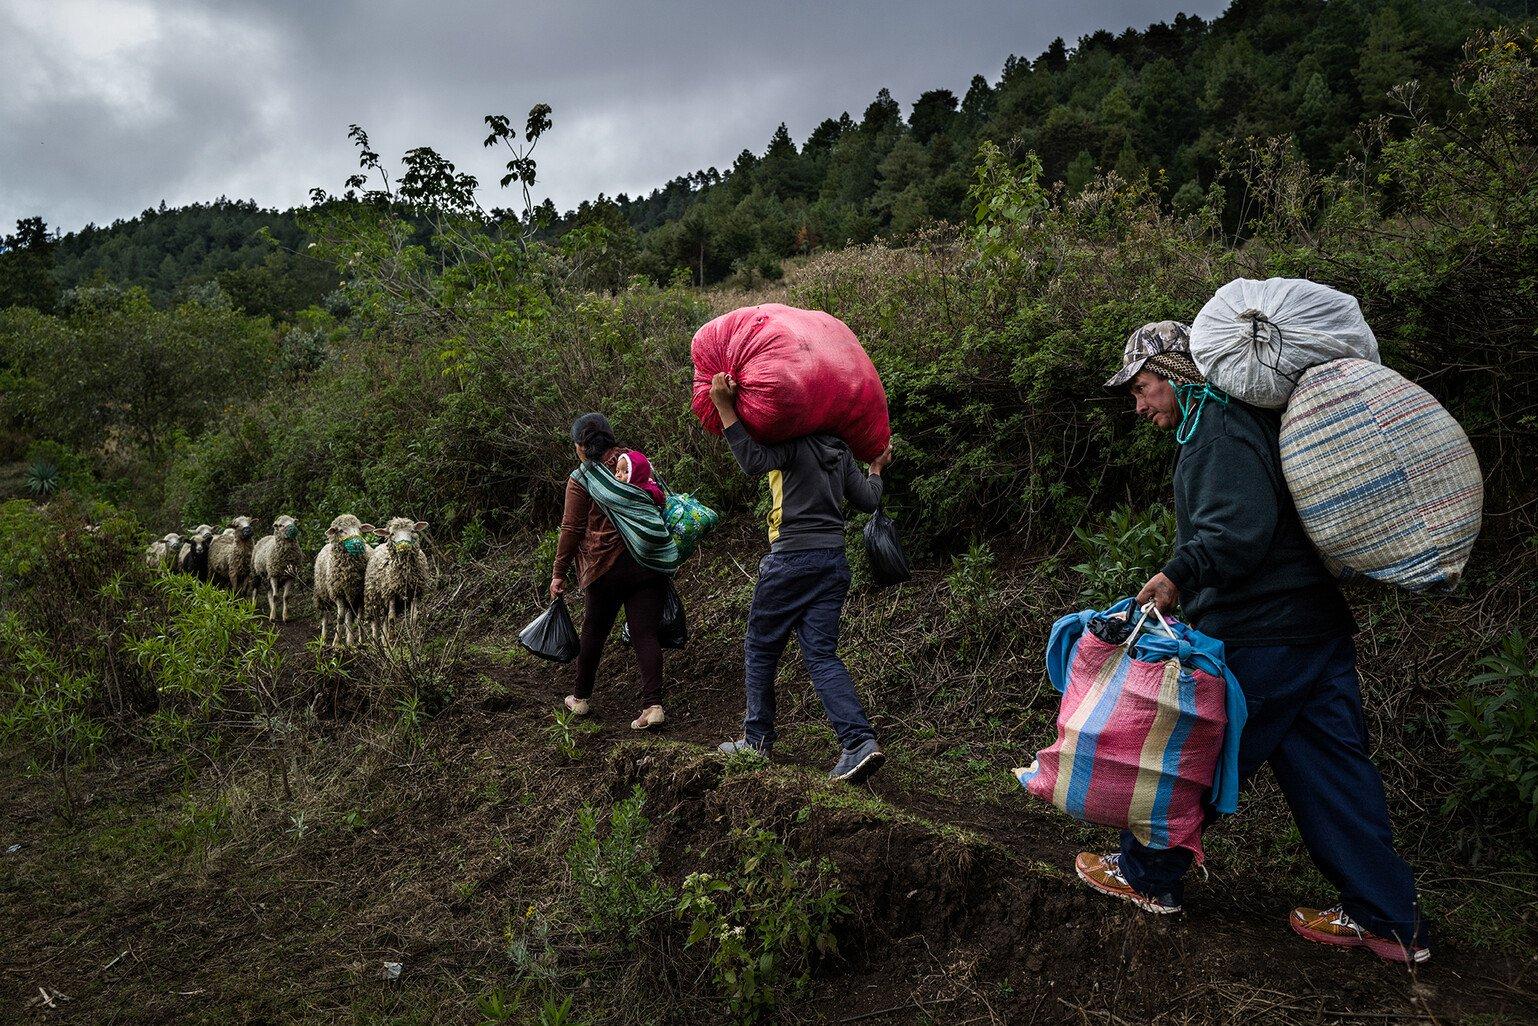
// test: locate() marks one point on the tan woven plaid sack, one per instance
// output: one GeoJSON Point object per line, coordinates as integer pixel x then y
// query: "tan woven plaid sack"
{"type": "Point", "coordinates": [1385, 480]}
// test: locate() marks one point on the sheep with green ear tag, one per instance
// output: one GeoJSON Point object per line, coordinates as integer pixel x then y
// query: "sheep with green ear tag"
{"type": "Point", "coordinates": [339, 570]}
{"type": "Point", "coordinates": [396, 576]}
{"type": "Point", "coordinates": [277, 562]}
{"type": "Point", "coordinates": [229, 558]}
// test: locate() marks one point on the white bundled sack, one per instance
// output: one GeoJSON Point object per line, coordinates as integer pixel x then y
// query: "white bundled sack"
{"type": "Point", "coordinates": [1254, 339]}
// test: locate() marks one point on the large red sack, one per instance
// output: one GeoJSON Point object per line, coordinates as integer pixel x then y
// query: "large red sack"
{"type": "Point", "coordinates": [798, 372]}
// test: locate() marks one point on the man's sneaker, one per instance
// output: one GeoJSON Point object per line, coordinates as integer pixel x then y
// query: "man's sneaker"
{"type": "Point", "coordinates": [1103, 873]}
{"type": "Point", "coordinates": [858, 763]}
{"type": "Point", "coordinates": [1334, 926]}
{"type": "Point", "coordinates": [742, 744]}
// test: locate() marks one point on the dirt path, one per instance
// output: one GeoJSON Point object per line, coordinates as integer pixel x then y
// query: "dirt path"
{"type": "Point", "coordinates": [966, 908]}
{"type": "Point", "coordinates": [1231, 949]}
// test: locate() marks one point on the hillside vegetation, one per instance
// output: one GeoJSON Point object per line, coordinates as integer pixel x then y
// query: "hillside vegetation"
{"type": "Point", "coordinates": [264, 826]}
{"type": "Point", "coordinates": [1163, 105]}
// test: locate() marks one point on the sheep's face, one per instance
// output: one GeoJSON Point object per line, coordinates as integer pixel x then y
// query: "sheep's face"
{"type": "Point", "coordinates": [348, 533]}
{"type": "Point", "coordinates": [286, 527]}
{"type": "Point", "coordinates": [172, 541]}
{"type": "Point", "coordinates": [241, 526]}
{"type": "Point", "coordinates": [402, 534]}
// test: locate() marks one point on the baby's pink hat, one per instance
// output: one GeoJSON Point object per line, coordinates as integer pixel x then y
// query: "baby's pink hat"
{"type": "Point", "coordinates": [641, 475]}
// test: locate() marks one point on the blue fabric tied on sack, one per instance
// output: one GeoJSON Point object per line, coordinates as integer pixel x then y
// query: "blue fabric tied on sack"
{"type": "Point", "coordinates": [1193, 649]}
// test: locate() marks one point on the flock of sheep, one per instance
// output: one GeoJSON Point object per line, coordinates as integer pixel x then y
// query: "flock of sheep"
{"type": "Point", "coordinates": [364, 577]}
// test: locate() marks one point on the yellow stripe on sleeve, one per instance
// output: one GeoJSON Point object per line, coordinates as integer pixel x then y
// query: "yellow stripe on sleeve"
{"type": "Point", "coordinates": [777, 506]}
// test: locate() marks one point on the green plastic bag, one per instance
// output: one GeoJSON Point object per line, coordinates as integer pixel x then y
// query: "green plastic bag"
{"type": "Point", "coordinates": [688, 519]}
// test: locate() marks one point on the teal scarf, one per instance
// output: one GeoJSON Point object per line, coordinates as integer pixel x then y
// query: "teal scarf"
{"type": "Point", "coordinates": [635, 515]}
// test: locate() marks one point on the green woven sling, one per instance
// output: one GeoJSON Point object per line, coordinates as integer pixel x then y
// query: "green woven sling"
{"type": "Point", "coordinates": [635, 516]}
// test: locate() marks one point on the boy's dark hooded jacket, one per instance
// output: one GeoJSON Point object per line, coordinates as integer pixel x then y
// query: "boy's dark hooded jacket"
{"type": "Point", "coordinates": [809, 479]}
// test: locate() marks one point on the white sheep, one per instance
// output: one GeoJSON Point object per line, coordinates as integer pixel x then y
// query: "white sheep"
{"type": "Point", "coordinates": [163, 553]}
{"type": "Point", "coordinates": [193, 558]}
{"type": "Point", "coordinates": [339, 569]}
{"type": "Point", "coordinates": [396, 576]}
{"type": "Point", "coordinates": [277, 562]}
{"type": "Point", "coordinates": [229, 558]}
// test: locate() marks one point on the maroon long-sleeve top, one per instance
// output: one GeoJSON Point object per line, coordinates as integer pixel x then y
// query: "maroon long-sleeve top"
{"type": "Point", "coordinates": [587, 533]}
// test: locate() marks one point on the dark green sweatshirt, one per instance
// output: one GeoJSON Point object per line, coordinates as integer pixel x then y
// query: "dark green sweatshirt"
{"type": "Point", "coordinates": [1247, 573]}
{"type": "Point", "coordinates": [809, 479]}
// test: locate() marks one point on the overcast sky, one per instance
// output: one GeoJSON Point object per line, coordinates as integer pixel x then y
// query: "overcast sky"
{"type": "Point", "coordinates": [110, 106]}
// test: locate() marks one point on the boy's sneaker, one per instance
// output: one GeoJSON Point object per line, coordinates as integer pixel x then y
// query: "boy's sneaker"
{"type": "Point", "coordinates": [1103, 873]}
{"type": "Point", "coordinates": [742, 744]}
{"type": "Point", "coordinates": [1334, 926]}
{"type": "Point", "coordinates": [858, 763]}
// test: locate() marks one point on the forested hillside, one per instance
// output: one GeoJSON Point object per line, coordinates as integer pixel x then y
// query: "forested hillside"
{"type": "Point", "coordinates": [1164, 104]}
{"type": "Point", "coordinates": [215, 816]}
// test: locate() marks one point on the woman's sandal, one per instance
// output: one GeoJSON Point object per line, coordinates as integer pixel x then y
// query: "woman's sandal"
{"type": "Point", "coordinates": [650, 717]}
{"type": "Point", "coordinates": [578, 706]}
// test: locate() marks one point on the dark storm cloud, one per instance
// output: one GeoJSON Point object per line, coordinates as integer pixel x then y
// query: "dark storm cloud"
{"type": "Point", "coordinates": [110, 106]}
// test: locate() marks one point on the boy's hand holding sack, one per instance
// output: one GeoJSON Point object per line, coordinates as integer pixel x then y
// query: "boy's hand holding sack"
{"type": "Point", "coordinates": [797, 372]}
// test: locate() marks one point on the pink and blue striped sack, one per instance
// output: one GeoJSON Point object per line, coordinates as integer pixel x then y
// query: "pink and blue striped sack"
{"type": "Point", "coordinates": [1147, 732]}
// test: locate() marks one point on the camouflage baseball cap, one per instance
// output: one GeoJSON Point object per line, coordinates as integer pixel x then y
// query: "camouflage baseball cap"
{"type": "Point", "coordinates": [1150, 340]}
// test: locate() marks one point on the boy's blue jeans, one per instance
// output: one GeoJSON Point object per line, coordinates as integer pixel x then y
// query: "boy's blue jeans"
{"type": "Point", "coordinates": [801, 592]}
{"type": "Point", "coordinates": [1305, 719]}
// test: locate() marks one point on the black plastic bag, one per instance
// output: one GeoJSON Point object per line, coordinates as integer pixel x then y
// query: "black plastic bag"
{"type": "Point", "coordinates": [1113, 630]}
{"type": "Point", "coordinates": [888, 565]}
{"type": "Point", "coordinates": [674, 630]}
{"type": "Point", "coordinates": [552, 635]}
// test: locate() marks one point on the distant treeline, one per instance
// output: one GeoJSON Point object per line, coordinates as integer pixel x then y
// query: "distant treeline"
{"type": "Point", "coordinates": [1160, 105]}
{"type": "Point", "coordinates": [1157, 104]}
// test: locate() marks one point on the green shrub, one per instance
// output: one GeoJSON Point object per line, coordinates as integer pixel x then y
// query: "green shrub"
{"type": "Point", "coordinates": [1123, 552]}
{"type": "Point", "coordinates": [993, 347]}
{"type": "Point", "coordinates": [42, 478]}
{"type": "Point", "coordinates": [72, 574]}
{"type": "Point", "coordinates": [71, 470]}
{"type": "Point", "coordinates": [972, 578]}
{"type": "Point", "coordinates": [209, 651]}
{"type": "Point", "coordinates": [566, 730]}
{"type": "Point", "coordinates": [615, 875]}
{"type": "Point", "coordinates": [976, 599]}
{"type": "Point", "coordinates": [764, 922]}
{"type": "Point", "coordinates": [45, 708]}
{"type": "Point", "coordinates": [1496, 731]}
{"type": "Point", "coordinates": [497, 1007]}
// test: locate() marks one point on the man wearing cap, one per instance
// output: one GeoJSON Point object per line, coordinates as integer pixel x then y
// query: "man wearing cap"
{"type": "Point", "coordinates": [1244, 572]}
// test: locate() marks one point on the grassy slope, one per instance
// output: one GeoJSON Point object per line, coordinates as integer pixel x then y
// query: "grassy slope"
{"type": "Point", "coordinates": [200, 891]}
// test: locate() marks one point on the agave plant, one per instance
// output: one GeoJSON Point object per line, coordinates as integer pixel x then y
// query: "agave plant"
{"type": "Point", "coordinates": [43, 479]}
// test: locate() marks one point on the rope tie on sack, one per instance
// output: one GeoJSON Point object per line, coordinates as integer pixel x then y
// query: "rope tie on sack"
{"type": "Point", "coordinates": [1256, 319]}
{"type": "Point", "coordinates": [1192, 400]}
